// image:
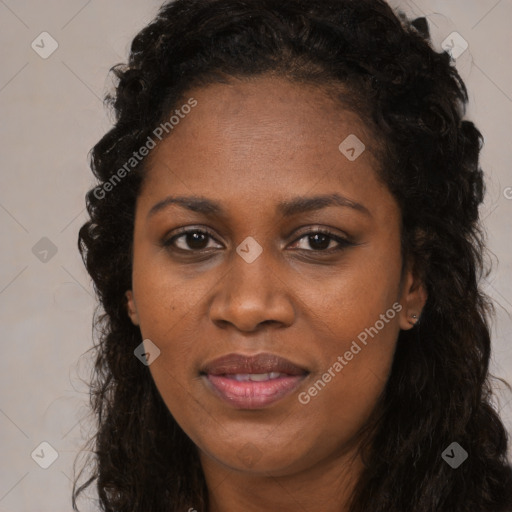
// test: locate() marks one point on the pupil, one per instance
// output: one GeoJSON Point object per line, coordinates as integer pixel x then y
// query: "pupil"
{"type": "Point", "coordinates": [196, 240]}
{"type": "Point", "coordinates": [319, 241]}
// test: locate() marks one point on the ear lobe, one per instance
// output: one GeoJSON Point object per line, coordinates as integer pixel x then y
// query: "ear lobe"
{"type": "Point", "coordinates": [132, 309]}
{"type": "Point", "coordinates": [413, 299]}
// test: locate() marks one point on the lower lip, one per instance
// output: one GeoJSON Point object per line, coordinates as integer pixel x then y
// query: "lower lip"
{"type": "Point", "coordinates": [250, 394]}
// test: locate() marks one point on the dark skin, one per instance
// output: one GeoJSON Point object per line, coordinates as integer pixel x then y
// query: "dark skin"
{"type": "Point", "coordinates": [249, 147]}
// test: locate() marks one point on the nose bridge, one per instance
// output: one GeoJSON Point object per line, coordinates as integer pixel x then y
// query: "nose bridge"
{"type": "Point", "coordinates": [250, 282]}
{"type": "Point", "coordinates": [250, 293]}
{"type": "Point", "coordinates": [250, 270]}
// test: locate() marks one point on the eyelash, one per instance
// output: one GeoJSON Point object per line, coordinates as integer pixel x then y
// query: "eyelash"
{"type": "Point", "coordinates": [343, 242]}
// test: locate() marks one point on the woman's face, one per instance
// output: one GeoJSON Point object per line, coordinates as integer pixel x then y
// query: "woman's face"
{"type": "Point", "coordinates": [258, 169]}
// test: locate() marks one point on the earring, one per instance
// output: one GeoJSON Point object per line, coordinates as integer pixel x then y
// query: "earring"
{"type": "Point", "coordinates": [414, 319]}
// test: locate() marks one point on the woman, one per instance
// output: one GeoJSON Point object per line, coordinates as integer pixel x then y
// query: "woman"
{"type": "Point", "coordinates": [286, 244]}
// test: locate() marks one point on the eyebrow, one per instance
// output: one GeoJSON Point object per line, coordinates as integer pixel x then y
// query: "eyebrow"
{"type": "Point", "coordinates": [286, 208]}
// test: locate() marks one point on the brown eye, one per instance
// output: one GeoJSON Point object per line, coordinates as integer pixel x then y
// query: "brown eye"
{"type": "Point", "coordinates": [319, 241]}
{"type": "Point", "coordinates": [193, 240]}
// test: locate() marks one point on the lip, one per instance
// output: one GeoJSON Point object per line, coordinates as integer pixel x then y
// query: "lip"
{"type": "Point", "coordinates": [265, 362]}
{"type": "Point", "coordinates": [218, 377]}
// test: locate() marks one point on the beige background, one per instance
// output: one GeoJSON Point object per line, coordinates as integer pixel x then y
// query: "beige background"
{"type": "Point", "coordinates": [52, 115]}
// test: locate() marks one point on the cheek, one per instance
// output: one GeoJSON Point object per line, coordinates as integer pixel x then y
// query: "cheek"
{"type": "Point", "coordinates": [166, 301]}
{"type": "Point", "coordinates": [357, 363]}
{"type": "Point", "coordinates": [344, 302]}
{"type": "Point", "coordinates": [355, 325]}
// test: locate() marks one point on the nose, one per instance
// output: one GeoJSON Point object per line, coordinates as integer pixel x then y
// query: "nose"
{"type": "Point", "coordinates": [252, 295]}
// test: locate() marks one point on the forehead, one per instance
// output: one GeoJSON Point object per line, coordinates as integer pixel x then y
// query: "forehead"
{"type": "Point", "coordinates": [274, 111]}
{"type": "Point", "coordinates": [262, 137]}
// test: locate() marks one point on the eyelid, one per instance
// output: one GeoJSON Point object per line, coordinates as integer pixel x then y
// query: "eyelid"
{"type": "Point", "coordinates": [323, 230]}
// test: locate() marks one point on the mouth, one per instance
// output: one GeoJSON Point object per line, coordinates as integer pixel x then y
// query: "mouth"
{"type": "Point", "coordinates": [252, 382]}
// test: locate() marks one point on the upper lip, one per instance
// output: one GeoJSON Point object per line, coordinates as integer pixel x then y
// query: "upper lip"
{"type": "Point", "coordinates": [260, 363]}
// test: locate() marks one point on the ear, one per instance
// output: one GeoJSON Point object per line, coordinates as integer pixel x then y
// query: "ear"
{"type": "Point", "coordinates": [413, 299]}
{"type": "Point", "coordinates": [132, 309]}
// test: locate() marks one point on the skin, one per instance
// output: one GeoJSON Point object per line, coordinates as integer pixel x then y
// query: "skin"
{"type": "Point", "coordinates": [248, 146]}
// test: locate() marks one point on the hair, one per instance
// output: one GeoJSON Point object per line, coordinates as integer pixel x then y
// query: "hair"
{"type": "Point", "coordinates": [439, 390]}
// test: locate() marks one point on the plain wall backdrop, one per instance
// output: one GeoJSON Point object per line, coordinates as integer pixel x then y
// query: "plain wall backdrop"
{"type": "Point", "coordinates": [51, 116]}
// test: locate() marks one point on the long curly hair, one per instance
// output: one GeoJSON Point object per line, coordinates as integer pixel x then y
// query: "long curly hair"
{"type": "Point", "coordinates": [439, 390]}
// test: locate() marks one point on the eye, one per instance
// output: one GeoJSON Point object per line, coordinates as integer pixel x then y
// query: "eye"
{"type": "Point", "coordinates": [190, 240]}
{"type": "Point", "coordinates": [322, 240]}
{"type": "Point", "coordinates": [198, 240]}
